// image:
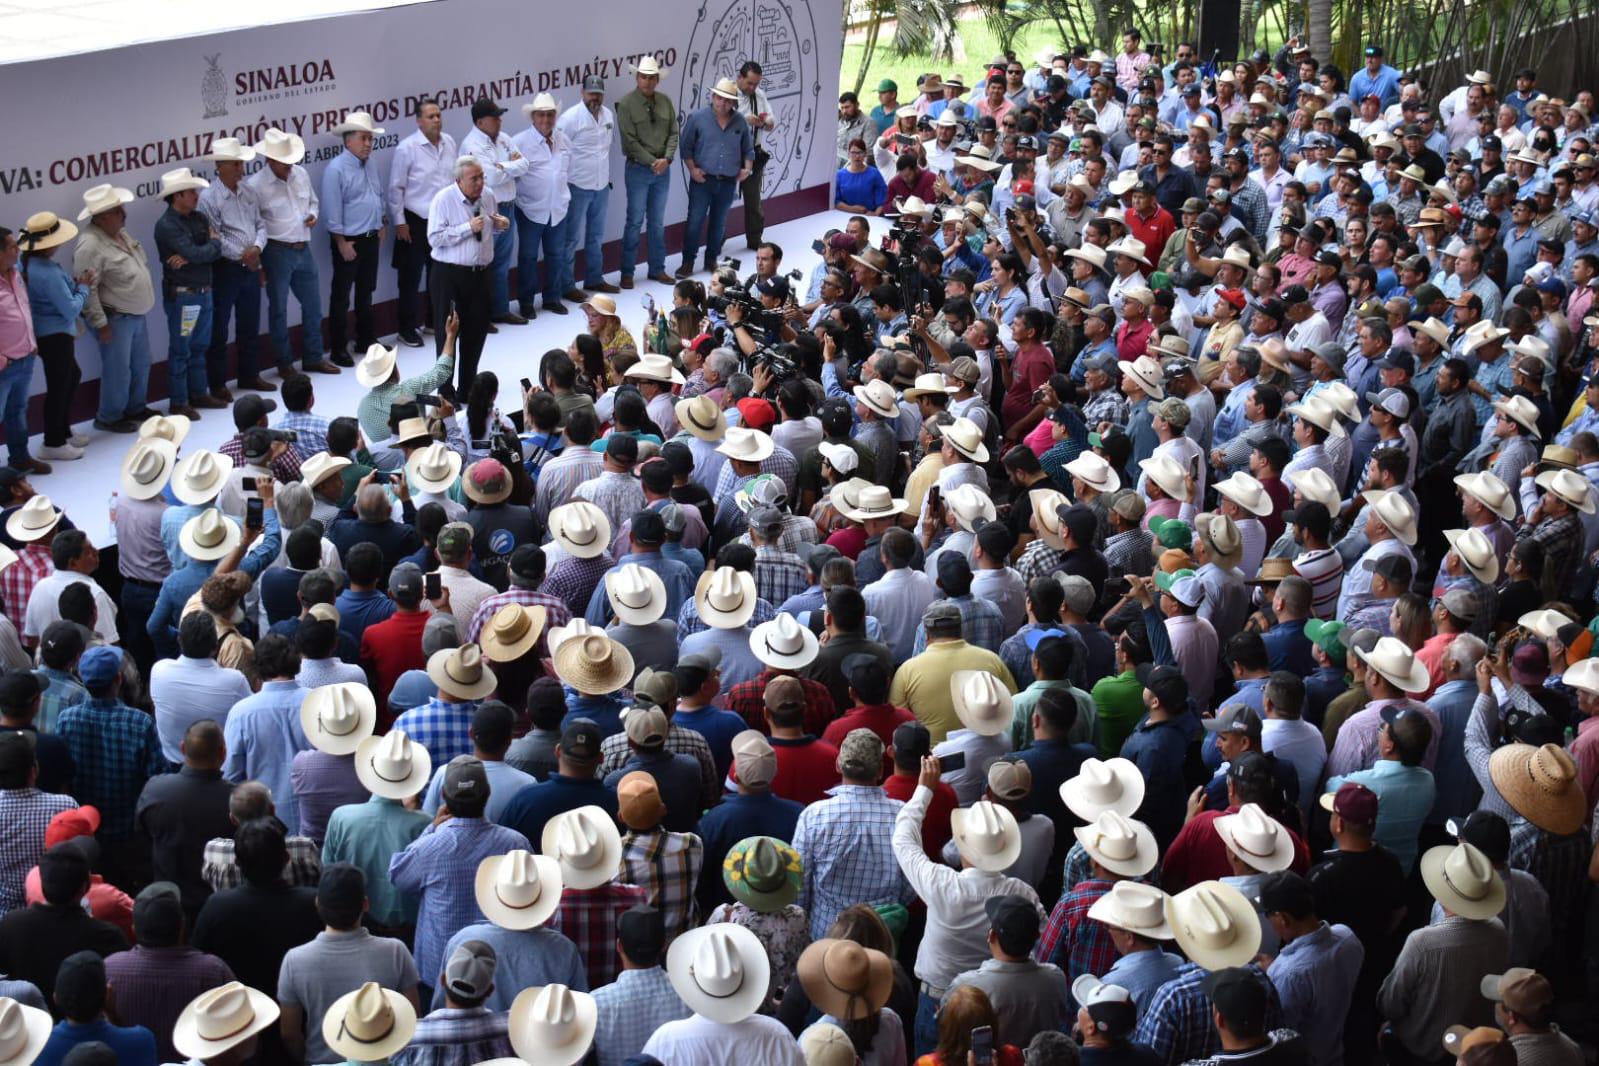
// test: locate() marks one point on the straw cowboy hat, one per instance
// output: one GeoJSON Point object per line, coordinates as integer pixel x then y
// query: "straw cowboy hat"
{"type": "Point", "coordinates": [393, 766]}
{"type": "Point", "coordinates": [763, 873]}
{"type": "Point", "coordinates": [878, 397]}
{"type": "Point", "coordinates": [1221, 538]}
{"type": "Point", "coordinates": [1120, 844]}
{"type": "Point", "coordinates": [1166, 472]}
{"type": "Point", "coordinates": [1246, 492]}
{"type": "Point", "coordinates": [1092, 469]}
{"type": "Point", "coordinates": [586, 843]}
{"type": "Point", "coordinates": [174, 428]}
{"type": "Point", "coordinates": [199, 477]}
{"type": "Point", "coordinates": [594, 664]}
{"type": "Point", "coordinates": [541, 102]}
{"type": "Point", "coordinates": [845, 980]}
{"type": "Point", "coordinates": [216, 1021]}
{"type": "Point", "coordinates": [376, 366]}
{"type": "Point", "coordinates": [655, 368]}
{"type": "Point", "coordinates": [320, 467]}
{"type": "Point", "coordinates": [147, 468]}
{"type": "Point", "coordinates": [369, 1024]}
{"type": "Point", "coordinates": [1147, 375]}
{"type": "Point", "coordinates": [1541, 785]}
{"type": "Point", "coordinates": [413, 431]}
{"type": "Point", "coordinates": [982, 704]}
{"type": "Point", "coordinates": [1463, 880]}
{"type": "Point", "coordinates": [1341, 398]}
{"type": "Point", "coordinates": [1393, 659]}
{"type": "Point", "coordinates": [726, 89]}
{"type": "Point", "coordinates": [180, 180]}
{"type": "Point", "coordinates": [1475, 552]}
{"type": "Point", "coordinates": [229, 150]}
{"type": "Point", "coordinates": [725, 598]}
{"type": "Point", "coordinates": [746, 445]}
{"type": "Point", "coordinates": [701, 417]}
{"type": "Point", "coordinates": [986, 835]}
{"type": "Point", "coordinates": [1092, 254]}
{"type": "Point", "coordinates": [461, 672]}
{"type": "Point", "coordinates": [1544, 623]}
{"type": "Point", "coordinates": [1256, 838]}
{"type": "Point", "coordinates": [1319, 413]}
{"type": "Point", "coordinates": [1132, 248]}
{"type": "Point", "coordinates": [1046, 504]}
{"type": "Point", "coordinates": [581, 529]}
{"type": "Point", "coordinates": [337, 718]}
{"type": "Point", "coordinates": [1315, 484]}
{"type": "Point", "coordinates": [45, 230]}
{"type": "Point", "coordinates": [1135, 907]}
{"type": "Point", "coordinates": [512, 632]}
{"type": "Point", "coordinates": [1394, 511]}
{"type": "Point", "coordinates": [1522, 410]}
{"type": "Point", "coordinates": [281, 147]}
{"type": "Point", "coordinates": [1487, 489]}
{"type": "Point", "coordinates": [518, 890]}
{"type": "Point", "coordinates": [876, 501]}
{"type": "Point", "coordinates": [434, 468]}
{"type": "Point", "coordinates": [552, 1025]}
{"type": "Point", "coordinates": [559, 635]}
{"type": "Point", "coordinates": [720, 971]}
{"type": "Point", "coordinates": [601, 305]}
{"type": "Point", "coordinates": [784, 644]}
{"type": "Point", "coordinates": [1214, 925]}
{"type": "Point", "coordinates": [971, 507]}
{"type": "Point", "coordinates": [637, 594]}
{"type": "Point", "coordinates": [208, 536]}
{"type": "Point", "coordinates": [1272, 570]}
{"type": "Point", "coordinates": [102, 198]}
{"type": "Point", "coordinates": [358, 122]}
{"type": "Point", "coordinates": [1571, 487]}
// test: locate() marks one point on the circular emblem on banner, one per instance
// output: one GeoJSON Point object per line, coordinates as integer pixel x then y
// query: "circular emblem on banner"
{"type": "Point", "coordinates": [781, 38]}
{"type": "Point", "coordinates": [501, 542]}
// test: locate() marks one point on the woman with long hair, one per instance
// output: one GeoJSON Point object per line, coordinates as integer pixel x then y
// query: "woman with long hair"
{"type": "Point", "coordinates": [860, 924]}
{"type": "Point", "coordinates": [963, 1010]}
{"type": "Point", "coordinates": [56, 299]}
{"type": "Point", "coordinates": [482, 419]}
{"type": "Point", "coordinates": [588, 354]}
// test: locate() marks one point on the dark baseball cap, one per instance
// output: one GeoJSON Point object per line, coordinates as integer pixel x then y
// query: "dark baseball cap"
{"type": "Point", "coordinates": [249, 409]}
{"type": "Point", "coordinates": [19, 688]}
{"type": "Point", "coordinates": [912, 740]}
{"type": "Point", "coordinates": [1488, 832]}
{"type": "Point", "coordinates": [1239, 996]}
{"type": "Point", "coordinates": [642, 931]}
{"type": "Point", "coordinates": [465, 779]}
{"type": "Point", "coordinates": [1353, 802]}
{"type": "Point", "coordinates": [485, 107]}
{"type": "Point", "coordinates": [1014, 921]}
{"type": "Point", "coordinates": [581, 740]}
{"type": "Point", "coordinates": [648, 528]}
{"type": "Point", "coordinates": [1288, 892]}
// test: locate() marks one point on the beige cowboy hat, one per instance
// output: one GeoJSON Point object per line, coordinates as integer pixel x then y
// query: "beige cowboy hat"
{"type": "Point", "coordinates": [199, 477]}
{"type": "Point", "coordinates": [1319, 413]}
{"type": "Point", "coordinates": [1341, 398]}
{"type": "Point", "coordinates": [1571, 487]}
{"type": "Point", "coordinates": [1092, 469]}
{"type": "Point", "coordinates": [1132, 248]}
{"type": "Point", "coordinates": [1046, 505]}
{"type": "Point", "coordinates": [1134, 907]}
{"type": "Point", "coordinates": [216, 1021]}
{"type": "Point", "coordinates": [637, 594]}
{"type": "Point", "coordinates": [413, 431]}
{"type": "Point", "coordinates": [461, 672]}
{"type": "Point", "coordinates": [720, 971]}
{"type": "Point", "coordinates": [1481, 334]}
{"type": "Point", "coordinates": [982, 704]}
{"type": "Point", "coordinates": [1522, 410]}
{"type": "Point", "coordinates": [701, 417]}
{"type": "Point", "coordinates": [281, 147]}
{"type": "Point", "coordinates": [1393, 659]}
{"type": "Point", "coordinates": [1463, 880]}
{"type": "Point", "coordinates": [1315, 484]}
{"type": "Point", "coordinates": [1147, 375]}
{"type": "Point", "coordinates": [1092, 254]}
{"type": "Point", "coordinates": [559, 635]}
{"type": "Point", "coordinates": [512, 631]}
{"type": "Point", "coordinates": [845, 980]}
{"type": "Point", "coordinates": [586, 843]}
{"type": "Point", "coordinates": [376, 366]}
{"type": "Point", "coordinates": [208, 536]}
{"type": "Point", "coordinates": [1122, 845]}
{"type": "Point", "coordinates": [986, 835]}
{"type": "Point", "coordinates": [541, 102]}
{"type": "Point", "coordinates": [1394, 511]}
{"type": "Point", "coordinates": [103, 198]}
{"type": "Point", "coordinates": [337, 718]}
{"type": "Point", "coordinates": [518, 890]}
{"type": "Point", "coordinates": [594, 664]}
{"type": "Point", "coordinates": [601, 305]}
{"type": "Point", "coordinates": [971, 507]}
{"type": "Point", "coordinates": [845, 496]}
{"type": "Point", "coordinates": [966, 438]}
{"type": "Point", "coordinates": [1435, 328]}
{"type": "Point", "coordinates": [180, 180]}
{"type": "Point", "coordinates": [726, 89]}
{"type": "Point", "coordinates": [979, 157]}
{"type": "Point", "coordinates": [1221, 537]}
{"type": "Point", "coordinates": [43, 230]}
{"type": "Point", "coordinates": [147, 468]}
{"type": "Point", "coordinates": [1114, 785]}
{"type": "Point", "coordinates": [1171, 344]}
{"type": "Point", "coordinates": [878, 397]}
{"type": "Point", "coordinates": [581, 529]}
{"type": "Point", "coordinates": [174, 428]}
{"type": "Point", "coordinates": [655, 368]}
{"type": "Point", "coordinates": [1238, 256]}
{"type": "Point", "coordinates": [913, 206]}
{"type": "Point", "coordinates": [1544, 623]}
{"type": "Point", "coordinates": [1486, 488]}
{"type": "Point", "coordinates": [369, 1024]}
{"type": "Point", "coordinates": [552, 1025]}
{"type": "Point", "coordinates": [1247, 492]}
{"type": "Point", "coordinates": [434, 468]}
{"type": "Point", "coordinates": [1166, 472]}
{"type": "Point", "coordinates": [784, 644]}
{"type": "Point", "coordinates": [1257, 839]}
{"type": "Point", "coordinates": [725, 598]}
{"type": "Point", "coordinates": [746, 445]}
{"type": "Point", "coordinates": [649, 66]}
{"type": "Point", "coordinates": [393, 766]}
{"type": "Point", "coordinates": [320, 467]}
{"type": "Point", "coordinates": [875, 501]}
{"type": "Point", "coordinates": [1214, 925]}
{"type": "Point", "coordinates": [927, 385]}
{"type": "Point", "coordinates": [358, 122]}
{"type": "Point", "coordinates": [1476, 552]}
{"type": "Point", "coordinates": [1541, 785]}
{"type": "Point", "coordinates": [229, 150]}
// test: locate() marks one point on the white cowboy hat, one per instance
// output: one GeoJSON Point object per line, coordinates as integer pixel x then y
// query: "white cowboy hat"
{"type": "Point", "coordinates": [393, 766]}
{"type": "Point", "coordinates": [655, 368]}
{"type": "Point", "coordinates": [1484, 332]}
{"type": "Point", "coordinates": [649, 66]}
{"type": "Point", "coordinates": [168, 427]}
{"type": "Point", "coordinates": [1435, 328]}
{"type": "Point", "coordinates": [1463, 880]}
{"type": "Point", "coordinates": [966, 438]}
{"type": "Point", "coordinates": [1394, 511]}
{"type": "Point", "coordinates": [358, 122]}
{"type": "Point", "coordinates": [1104, 785]}
{"type": "Point", "coordinates": [1314, 483]}
{"type": "Point", "coordinates": [1485, 487]}
{"type": "Point", "coordinates": [552, 1025]}
{"type": "Point", "coordinates": [1319, 413]}
{"type": "Point", "coordinates": [376, 366]}
{"type": "Point", "coordinates": [1393, 659]}
{"type": "Point", "coordinates": [229, 150]}
{"type": "Point", "coordinates": [102, 198]}
{"type": "Point", "coordinates": [1221, 537]}
{"type": "Point", "coordinates": [1123, 183]}
{"type": "Point", "coordinates": [637, 594]}
{"type": "Point", "coordinates": [982, 704]}
{"type": "Point", "coordinates": [199, 477]}
{"type": "Point", "coordinates": [147, 468]}
{"type": "Point", "coordinates": [1132, 248]}
{"type": "Point", "coordinates": [1341, 398]}
{"type": "Point", "coordinates": [980, 159]}
{"type": "Point", "coordinates": [541, 102]}
{"type": "Point", "coordinates": [208, 536]}
{"type": "Point", "coordinates": [876, 501]}
{"type": "Point", "coordinates": [518, 890]}
{"type": "Point", "coordinates": [581, 529]}
{"type": "Point", "coordinates": [322, 466]}
{"type": "Point", "coordinates": [44, 230]}
{"type": "Point", "coordinates": [1091, 254]}
{"type": "Point", "coordinates": [1046, 504]}
{"type": "Point", "coordinates": [180, 180]}
{"type": "Point", "coordinates": [337, 718]}
{"type": "Point", "coordinates": [971, 507]}
{"type": "Point", "coordinates": [1479, 77]}
{"type": "Point", "coordinates": [461, 672]}
{"type": "Point", "coordinates": [745, 445]}
{"type": "Point", "coordinates": [725, 598]}
{"type": "Point", "coordinates": [1247, 492]}
{"type": "Point", "coordinates": [720, 971]}
{"type": "Point", "coordinates": [512, 631]}
{"type": "Point", "coordinates": [927, 385]}
{"type": "Point", "coordinates": [914, 205]}
{"type": "Point", "coordinates": [1571, 487]}
{"type": "Point", "coordinates": [878, 397]}
{"type": "Point", "coordinates": [986, 835]}
{"type": "Point", "coordinates": [1122, 845]}
{"type": "Point", "coordinates": [1584, 675]}
{"type": "Point", "coordinates": [1522, 410]}
{"type": "Point", "coordinates": [1545, 623]}
{"type": "Point", "coordinates": [434, 468]}
{"type": "Point", "coordinates": [1134, 907]}
{"type": "Point", "coordinates": [1166, 472]}
{"type": "Point", "coordinates": [594, 664]}
{"type": "Point", "coordinates": [726, 89]}
{"type": "Point", "coordinates": [559, 635]}
{"type": "Point", "coordinates": [841, 457]}
{"type": "Point", "coordinates": [784, 644]}
{"type": "Point", "coordinates": [369, 1024]}
{"type": "Point", "coordinates": [1214, 925]}
{"type": "Point", "coordinates": [413, 431]}
{"type": "Point", "coordinates": [281, 147]}
{"type": "Point", "coordinates": [216, 1021]}
{"type": "Point", "coordinates": [1146, 373]}
{"type": "Point", "coordinates": [1257, 839]}
{"type": "Point", "coordinates": [1093, 470]}
{"type": "Point", "coordinates": [700, 417]}
{"type": "Point", "coordinates": [1476, 552]}
{"type": "Point", "coordinates": [845, 496]}
{"type": "Point", "coordinates": [586, 843]}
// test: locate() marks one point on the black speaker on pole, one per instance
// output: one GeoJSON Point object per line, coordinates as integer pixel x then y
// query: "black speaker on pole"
{"type": "Point", "coordinates": [1218, 29]}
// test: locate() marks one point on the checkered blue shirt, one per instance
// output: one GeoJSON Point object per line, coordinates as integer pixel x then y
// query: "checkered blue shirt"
{"type": "Point", "coordinates": [556, 613]}
{"type": "Point", "coordinates": [779, 574]}
{"type": "Point", "coordinates": [781, 462]}
{"type": "Point", "coordinates": [1177, 1023]}
{"type": "Point", "coordinates": [25, 814]}
{"type": "Point", "coordinates": [689, 621]}
{"type": "Point", "coordinates": [64, 692]}
{"type": "Point", "coordinates": [630, 1009]}
{"type": "Point", "coordinates": [847, 844]}
{"type": "Point", "coordinates": [313, 431]}
{"type": "Point", "coordinates": [116, 750]}
{"type": "Point", "coordinates": [981, 624]}
{"type": "Point", "coordinates": [573, 581]}
{"type": "Point", "coordinates": [442, 728]}
{"type": "Point", "coordinates": [1039, 560]}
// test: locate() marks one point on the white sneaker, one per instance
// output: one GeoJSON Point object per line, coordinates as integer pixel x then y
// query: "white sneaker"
{"type": "Point", "coordinates": [61, 453]}
{"type": "Point", "coordinates": [79, 440]}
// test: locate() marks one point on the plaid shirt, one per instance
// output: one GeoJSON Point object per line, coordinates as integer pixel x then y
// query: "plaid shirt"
{"type": "Point", "coordinates": [618, 495]}
{"type": "Point", "coordinates": [689, 622]}
{"type": "Point", "coordinates": [1039, 560]}
{"type": "Point", "coordinates": [444, 729]}
{"type": "Point", "coordinates": [116, 750]}
{"type": "Point", "coordinates": [64, 691]}
{"type": "Point", "coordinates": [573, 582]}
{"type": "Point", "coordinates": [589, 918]}
{"type": "Point", "coordinates": [1071, 941]}
{"type": "Point", "coordinates": [1560, 863]}
{"type": "Point", "coordinates": [1106, 405]}
{"type": "Point", "coordinates": [285, 467]}
{"type": "Point", "coordinates": [457, 1036]}
{"type": "Point", "coordinates": [17, 580]}
{"type": "Point", "coordinates": [1177, 1025]}
{"type": "Point", "coordinates": [1130, 552]}
{"type": "Point", "coordinates": [981, 624]}
{"type": "Point", "coordinates": [556, 614]}
{"type": "Point", "coordinates": [798, 531]}
{"type": "Point", "coordinates": [25, 814]}
{"type": "Point", "coordinates": [781, 462]}
{"type": "Point", "coordinates": [221, 871]}
{"type": "Point", "coordinates": [666, 866]}
{"type": "Point", "coordinates": [313, 431]}
{"type": "Point", "coordinates": [560, 477]}
{"type": "Point", "coordinates": [747, 699]}
{"type": "Point", "coordinates": [1561, 539]}
{"type": "Point", "coordinates": [630, 1009]}
{"type": "Point", "coordinates": [847, 844]}
{"type": "Point", "coordinates": [779, 574]}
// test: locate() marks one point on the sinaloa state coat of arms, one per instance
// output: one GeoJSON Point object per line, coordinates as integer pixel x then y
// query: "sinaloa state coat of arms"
{"type": "Point", "coordinates": [214, 88]}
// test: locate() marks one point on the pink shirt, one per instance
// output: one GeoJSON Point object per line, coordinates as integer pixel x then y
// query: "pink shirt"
{"type": "Point", "coordinates": [16, 318]}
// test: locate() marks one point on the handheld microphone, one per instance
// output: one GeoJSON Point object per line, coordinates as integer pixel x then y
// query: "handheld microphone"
{"type": "Point", "coordinates": [477, 212]}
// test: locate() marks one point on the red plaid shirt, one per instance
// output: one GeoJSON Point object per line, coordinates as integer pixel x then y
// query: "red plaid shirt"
{"type": "Point", "coordinates": [589, 917]}
{"type": "Point", "coordinates": [1071, 941]}
{"type": "Point", "coordinates": [285, 468]}
{"type": "Point", "coordinates": [747, 699]}
{"type": "Point", "coordinates": [16, 581]}
{"type": "Point", "coordinates": [556, 614]}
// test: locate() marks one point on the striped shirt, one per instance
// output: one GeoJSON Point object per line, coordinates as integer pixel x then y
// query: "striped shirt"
{"type": "Point", "coordinates": [1324, 569]}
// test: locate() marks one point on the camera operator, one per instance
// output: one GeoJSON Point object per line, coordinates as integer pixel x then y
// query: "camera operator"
{"type": "Point", "coordinates": [1046, 281]}
{"type": "Point", "coordinates": [768, 261]}
{"type": "Point", "coordinates": [751, 336]}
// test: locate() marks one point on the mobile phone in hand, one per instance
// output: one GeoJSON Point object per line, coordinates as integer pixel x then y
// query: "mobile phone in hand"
{"type": "Point", "coordinates": [253, 517]}
{"type": "Point", "coordinates": [935, 498]}
{"type": "Point", "coordinates": [983, 1045]}
{"type": "Point", "coordinates": [433, 586]}
{"type": "Point", "coordinates": [952, 762]}
{"type": "Point", "coordinates": [527, 386]}
{"type": "Point", "coordinates": [248, 483]}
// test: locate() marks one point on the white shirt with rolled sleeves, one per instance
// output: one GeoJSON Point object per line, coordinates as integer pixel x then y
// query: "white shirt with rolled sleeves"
{"type": "Point", "coordinates": [502, 163]}
{"type": "Point", "coordinates": [542, 193]}
{"type": "Point", "coordinates": [759, 106]}
{"type": "Point", "coordinates": [421, 168]}
{"type": "Point", "coordinates": [450, 227]}
{"type": "Point", "coordinates": [591, 135]}
{"type": "Point", "coordinates": [286, 204]}
{"type": "Point", "coordinates": [236, 216]}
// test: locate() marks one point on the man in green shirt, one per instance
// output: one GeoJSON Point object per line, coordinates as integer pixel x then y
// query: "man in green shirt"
{"type": "Point", "coordinates": [647, 122]}
{"type": "Point", "coordinates": [887, 103]}
{"type": "Point", "coordinates": [1052, 662]}
{"type": "Point", "coordinates": [1119, 699]}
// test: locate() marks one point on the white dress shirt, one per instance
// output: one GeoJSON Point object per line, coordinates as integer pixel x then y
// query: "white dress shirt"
{"type": "Point", "coordinates": [285, 205]}
{"type": "Point", "coordinates": [185, 690]}
{"type": "Point", "coordinates": [591, 135]}
{"type": "Point", "coordinates": [44, 605]}
{"type": "Point", "coordinates": [236, 216]}
{"type": "Point", "coordinates": [542, 193]}
{"type": "Point", "coordinates": [759, 106]}
{"type": "Point", "coordinates": [502, 163]}
{"type": "Point", "coordinates": [897, 600]}
{"type": "Point", "coordinates": [1004, 588]}
{"type": "Point", "coordinates": [698, 1041]}
{"type": "Point", "coordinates": [450, 227]}
{"type": "Point", "coordinates": [981, 752]}
{"type": "Point", "coordinates": [421, 168]}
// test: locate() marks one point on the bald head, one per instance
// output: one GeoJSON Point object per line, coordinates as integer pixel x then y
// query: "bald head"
{"type": "Point", "coordinates": [202, 745]}
{"type": "Point", "coordinates": [249, 801]}
{"type": "Point", "coordinates": [372, 503]}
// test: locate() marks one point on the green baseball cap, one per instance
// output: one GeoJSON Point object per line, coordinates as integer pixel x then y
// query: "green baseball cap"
{"type": "Point", "coordinates": [887, 85]}
{"type": "Point", "coordinates": [1172, 533]}
{"type": "Point", "coordinates": [1165, 581]}
{"type": "Point", "coordinates": [1329, 637]}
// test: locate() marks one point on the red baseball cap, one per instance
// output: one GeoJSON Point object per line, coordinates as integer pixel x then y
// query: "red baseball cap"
{"type": "Point", "coordinates": [1353, 802]}
{"type": "Point", "coordinates": [78, 822]}
{"type": "Point", "coordinates": [755, 413]}
{"type": "Point", "coordinates": [1022, 188]}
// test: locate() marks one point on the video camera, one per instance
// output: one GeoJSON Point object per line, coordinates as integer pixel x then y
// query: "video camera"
{"type": "Point", "coordinates": [781, 365]}
{"type": "Point", "coordinates": [757, 316]}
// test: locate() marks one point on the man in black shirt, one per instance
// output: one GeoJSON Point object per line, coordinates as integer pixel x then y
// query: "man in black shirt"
{"type": "Point", "coordinates": [19, 706]}
{"type": "Point", "coordinates": [35, 939]}
{"type": "Point", "coordinates": [180, 812]}
{"type": "Point", "coordinates": [1238, 1000]}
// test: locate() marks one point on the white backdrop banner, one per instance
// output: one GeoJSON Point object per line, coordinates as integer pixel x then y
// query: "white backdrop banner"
{"type": "Point", "coordinates": [128, 115]}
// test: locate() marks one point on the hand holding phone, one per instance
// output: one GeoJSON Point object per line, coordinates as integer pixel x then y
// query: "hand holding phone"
{"type": "Point", "coordinates": [433, 586]}
{"type": "Point", "coordinates": [983, 1045]}
{"type": "Point", "coordinates": [253, 517]}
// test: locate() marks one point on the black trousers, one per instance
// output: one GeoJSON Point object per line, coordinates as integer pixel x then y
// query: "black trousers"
{"type": "Point", "coordinates": [464, 290]}
{"type": "Point", "coordinates": [361, 272]}
{"type": "Point", "coordinates": [61, 376]}
{"type": "Point", "coordinates": [412, 259]}
{"type": "Point", "coordinates": [754, 215]}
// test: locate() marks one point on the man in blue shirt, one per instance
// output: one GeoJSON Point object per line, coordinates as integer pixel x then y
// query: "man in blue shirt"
{"type": "Point", "coordinates": [718, 151]}
{"type": "Point", "coordinates": [1158, 747]}
{"type": "Point", "coordinates": [646, 534]}
{"type": "Point", "coordinates": [80, 996]}
{"type": "Point", "coordinates": [1287, 646]}
{"type": "Point", "coordinates": [753, 812]}
{"type": "Point", "coordinates": [1378, 78]}
{"type": "Point", "coordinates": [352, 208]}
{"type": "Point", "coordinates": [1317, 968]}
{"type": "Point", "coordinates": [573, 784]}
{"type": "Point", "coordinates": [1404, 788]}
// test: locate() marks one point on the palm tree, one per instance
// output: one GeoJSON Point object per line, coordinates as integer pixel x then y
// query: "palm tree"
{"type": "Point", "coordinates": [921, 27]}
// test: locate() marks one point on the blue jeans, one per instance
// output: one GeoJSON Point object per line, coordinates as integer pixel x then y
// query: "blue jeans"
{"type": "Point", "coordinates": [530, 237]}
{"type": "Point", "coordinates": [237, 296]}
{"type": "Point", "coordinates": [14, 382]}
{"type": "Point", "coordinates": [186, 355]}
{"type": "Point", "coordinates": [293, 269]}
{"type": "Point", "coordinates": [500, 274]}
{"type": "Point", "coordinates": [646, 206]}
{"type": "Point", "coordinates": [924, 1037]}
{"type": "Point", "coordinates": [712, 197]}
{"type": "Point", "coordinates": [124, 368]}
{"type": "Point", "coordinates": [585, 220]}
